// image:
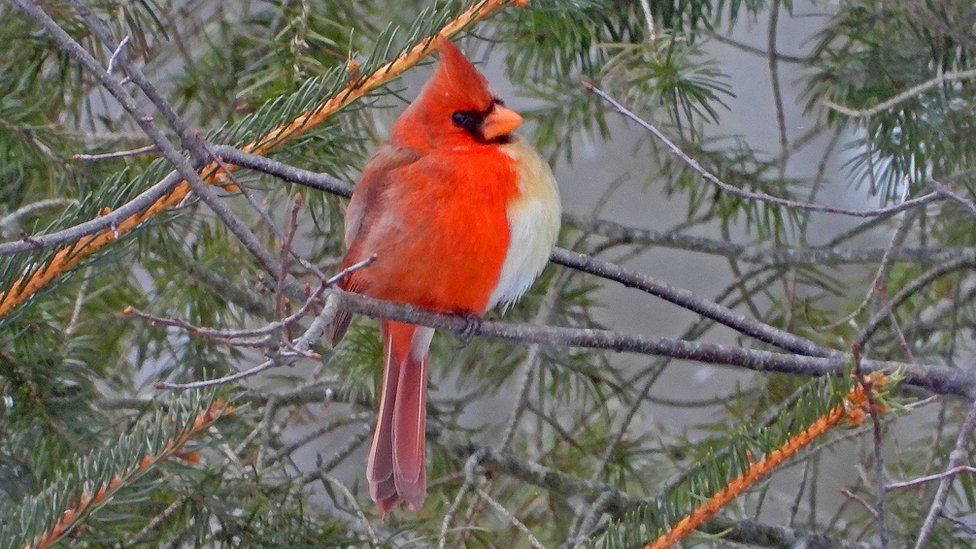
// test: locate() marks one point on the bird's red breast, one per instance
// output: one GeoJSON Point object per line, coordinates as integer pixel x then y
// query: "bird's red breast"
{"type": "Point", "coordinates": [437, 224]}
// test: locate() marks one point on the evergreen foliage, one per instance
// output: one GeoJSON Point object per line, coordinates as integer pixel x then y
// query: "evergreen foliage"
{"type": "Point", "coordinates": [79, 413]}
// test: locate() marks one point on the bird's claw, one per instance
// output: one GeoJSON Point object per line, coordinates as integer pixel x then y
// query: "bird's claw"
{"type": "Point", "coordinates": [472, 325]}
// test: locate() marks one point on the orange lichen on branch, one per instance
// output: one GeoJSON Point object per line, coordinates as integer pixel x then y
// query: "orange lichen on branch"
{"type": "Point", "coordinates": [70, 256]}
{"type": "Point", "coordinates": [852, 410]}
{"type": "Point", "coordinates": [172, 448]}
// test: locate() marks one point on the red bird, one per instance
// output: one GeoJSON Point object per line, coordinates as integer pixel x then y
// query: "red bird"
{"type": "Point", "coordinates": [462, 215]}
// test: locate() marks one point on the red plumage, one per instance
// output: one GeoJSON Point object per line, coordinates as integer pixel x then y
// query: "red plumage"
{"type": "Point", "coordinates": [436, 205]}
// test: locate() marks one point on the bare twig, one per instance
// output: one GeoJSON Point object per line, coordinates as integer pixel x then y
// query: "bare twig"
{"type": "Point", "coordinates": [930, 478]}
{"type": "Point", "coordinates": [470, 482]}
{"type": "Point", "coordinates": [959, 524]}
{"type": "Point", "coordinates": [860, 501]}
{"type": "Point", "coordinates": [14, 218]}
{"type": "Point", "coordinates": [911, 289]}
{"type": "Point", "coordinates": [884, 269]}
{"type": "Point", "coordinates": [754, 50]}
{"type": "Point", "coordinates": [868, 385]}
{"type": "Point", "coordinates": [326, 477]}
{"type": "Point", "coordinates": [115, 55]}
{"type": "Point", "coordinates": [784, 140]}
{"type": "Point", "coordinates": [751, 195]}
{"type": "Point", "coordinates": [301, 346]}
{"type": "Point", "coordinates": [268, 329]}
{"type": "Point", "coordinates": [901, 97]}
{"type": "Point", "coordinates": [956, 459]}
{"type": "Point", "coordinates": [826, 255]}
{"type": "Point", "coordinates": [113, 155]}
{"type": "Point", "coordinates": [529, 363]}
{"type": "Point", "coordinates": [534, 541]}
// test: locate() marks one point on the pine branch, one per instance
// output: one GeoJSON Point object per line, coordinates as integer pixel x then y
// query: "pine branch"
{"type": "Point", "coordinates": [853, 409]}
{"type": "Point", "coordinates": [618, 503]}
{"type": "Point", "coordinates": [70, 256]}
{"type": "Point", "coordinates": [65, 504]}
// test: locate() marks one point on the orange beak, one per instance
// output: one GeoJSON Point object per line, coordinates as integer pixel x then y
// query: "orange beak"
{"type": "Point", "coordinates": [500, 122]}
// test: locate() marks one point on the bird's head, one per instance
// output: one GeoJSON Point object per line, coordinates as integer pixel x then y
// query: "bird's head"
{"type": "Point", "coordinates": [456, 108]}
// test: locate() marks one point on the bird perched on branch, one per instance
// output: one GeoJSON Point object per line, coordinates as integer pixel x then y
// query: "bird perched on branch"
{"type": "Point", "coordinates": [461, 214]}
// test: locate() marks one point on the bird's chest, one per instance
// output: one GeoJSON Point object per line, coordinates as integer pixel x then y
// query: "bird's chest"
{"type": "Point", "coordinates": [533, 216]}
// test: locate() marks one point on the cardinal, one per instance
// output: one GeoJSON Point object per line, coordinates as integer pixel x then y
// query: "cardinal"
{"type": "Point", "coordinates": [461, 215]}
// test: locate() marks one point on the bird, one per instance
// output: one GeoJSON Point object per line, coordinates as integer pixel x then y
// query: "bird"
{"type": "Point", "coordinates": [460, 215]}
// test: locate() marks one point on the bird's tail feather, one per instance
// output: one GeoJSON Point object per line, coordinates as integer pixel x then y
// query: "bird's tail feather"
{"type": "Point", "coordinates": [396, 469]}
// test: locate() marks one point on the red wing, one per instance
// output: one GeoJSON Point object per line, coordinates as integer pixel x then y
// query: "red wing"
{"type": "Point", "coordinates": [363, 209]}
{"type": "Point", "coordinates": [367, 198]}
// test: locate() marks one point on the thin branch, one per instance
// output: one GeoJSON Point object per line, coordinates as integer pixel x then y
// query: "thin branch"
{"type": "Point", "coordinates": [826, 255]}
{"type": "Point", "coordinates": [959, 524]}
{"type": "Point", "coordinates": [860, 501]}
{"type": "Point", "coordinates": [930, 478]}
{"type": "Point", "coordinates": [301, 346]}
{"type": "Point", "coordinates": [529, 363]}
{"type": "Point", "coordinates": [901, 97]}
{"type": "Point", "coordinates": [14, 218]}
{"type": "Point", "coordinates": [72, 325]}
{"type": "Point", "coordinates": [754, 50]}
{"type": "Point", "coordinates": [759, 196]}
{"type": "Point", "coordinates": [114, 155]}
{"type": "Point", "coordinates": [326, 477]}
{"type": "Point", "coordinates": [868, 385]}
{"type": "Point", "coordinates": [910, 290]}
{"type": "Point", "coordinates": [534, 541]}
{"type": "Point", "coordinates": [956, 458]}
{"type": "Point", "coordinates": [470, 465]}
{"type": "Point", "coordinates": [264, 330]}
{"type": "Point", "coordinates": [880, 275]}
{"type": "Point", "coordinates": [118, 51]}
{"type": "Point", "coordinates": [784, 140]}
{"type": "Point", "coordinates": [687, 299]}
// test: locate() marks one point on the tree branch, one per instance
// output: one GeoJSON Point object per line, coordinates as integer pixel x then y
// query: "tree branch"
{"type": "Point", "coordinates": [901, 97]}
{"type": "Point", "coordinates": [761, 197]}
{"type": "Point", "coordinates": [956, 459]}
{"type": "Point", "coordinates": [826, 255]}
{"type": "Point", "coordinates": [617, 502]}
{"type": "Point", "coordinates": [938, 379]}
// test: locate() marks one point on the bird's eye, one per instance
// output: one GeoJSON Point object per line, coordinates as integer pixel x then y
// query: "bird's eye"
{"type": "Point", "coordinates": [464, 119]}
{"type": "Point", "coordinates": [498, 101]}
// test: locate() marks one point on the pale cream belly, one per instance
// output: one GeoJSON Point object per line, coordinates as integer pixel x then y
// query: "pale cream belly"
{"type": "Point", "coordinates": [533, 220]}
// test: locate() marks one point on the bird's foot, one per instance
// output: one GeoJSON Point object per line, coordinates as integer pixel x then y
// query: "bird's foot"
{"type": "Point", "coordinates": [472, 325]}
